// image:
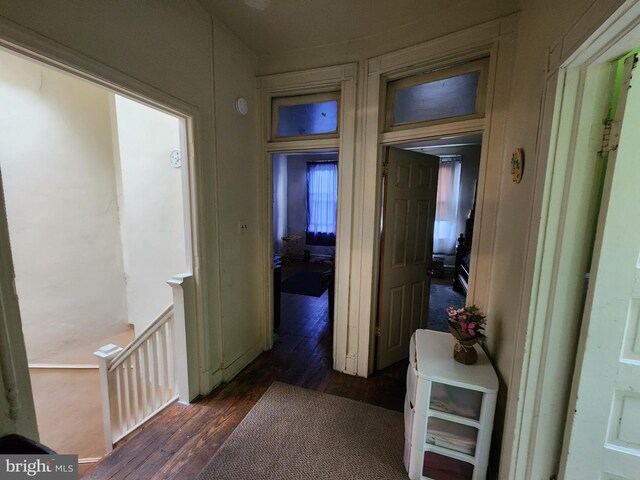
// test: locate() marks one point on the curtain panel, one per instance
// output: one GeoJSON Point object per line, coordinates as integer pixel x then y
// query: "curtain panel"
{"type": "Point", "coordinates": [322, 202]}
{"type": "Point", "coordinates": [448, 197]}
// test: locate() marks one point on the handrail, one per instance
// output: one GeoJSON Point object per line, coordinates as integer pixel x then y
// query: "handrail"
{"type": "Point", "coordinates": [140, 380]}
{"type": "Point", "coordinates": [140, 339]}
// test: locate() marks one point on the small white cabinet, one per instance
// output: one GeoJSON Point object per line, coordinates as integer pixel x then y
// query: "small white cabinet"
{"type": "Point", "coordinates": [448, 411]}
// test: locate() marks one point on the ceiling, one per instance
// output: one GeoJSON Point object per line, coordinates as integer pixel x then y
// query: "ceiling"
{"type": "Point", "coordinates": [270, 27]}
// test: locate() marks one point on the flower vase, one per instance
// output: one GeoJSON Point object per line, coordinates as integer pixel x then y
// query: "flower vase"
{"type": "Point", "coordinates": [464, 351]}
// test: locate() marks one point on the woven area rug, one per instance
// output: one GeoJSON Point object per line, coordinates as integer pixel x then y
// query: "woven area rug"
{"type": "Point", "coordinates": [294, 434]}
{"type": "Point", "coordinates": [304, 283]}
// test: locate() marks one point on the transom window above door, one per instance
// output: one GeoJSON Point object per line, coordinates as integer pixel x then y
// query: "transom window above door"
{"type": "Point", "coordinates": [445, 95]}
{"type": "Point", "coordinates": [304, 116]}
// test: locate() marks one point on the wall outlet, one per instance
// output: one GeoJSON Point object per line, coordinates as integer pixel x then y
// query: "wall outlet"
{"type": "Point", "coordinates": [243, 226]}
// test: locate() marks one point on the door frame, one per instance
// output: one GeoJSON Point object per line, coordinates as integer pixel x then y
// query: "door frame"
{"type": "Point", "coordinates": [195, 375]}
{"type": "Point", "coordinates": [497, 41]}
{"type": "Point", "coordinates": [577, 90]}
{"type": "Point", "coordinates": [337, 78]}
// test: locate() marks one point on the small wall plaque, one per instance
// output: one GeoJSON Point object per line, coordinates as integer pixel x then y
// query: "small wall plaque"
{"type": "Point", "coordinates": [517, 165]}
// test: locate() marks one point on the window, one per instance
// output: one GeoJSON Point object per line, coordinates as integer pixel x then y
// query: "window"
{"type": "Point", "coordinates": [305, 115]}
{"type": "Point", "coordinates": [453, 93]}
{"type": "Point", "coordinates": [447, 200]}
{"type": "Point", "coordinates": [322, 201]}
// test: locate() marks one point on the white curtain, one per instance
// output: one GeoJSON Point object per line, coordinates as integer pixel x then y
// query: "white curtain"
{"type": "Point", "coordinates": [444, 232]}
{"type": "Point", "coordinates": [322, 199]}
{"type": "Point", "coordinates": [280, 201]}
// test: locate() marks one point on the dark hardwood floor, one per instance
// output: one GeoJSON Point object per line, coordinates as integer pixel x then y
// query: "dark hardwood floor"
{"type": "Point", "coordinates": [179, 442]}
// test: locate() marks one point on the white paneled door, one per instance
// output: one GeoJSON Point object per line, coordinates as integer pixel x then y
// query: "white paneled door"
{"type": "Point", "coordinates": [410, 189]}
{"type": "Point", "coordinates": [603, 430]}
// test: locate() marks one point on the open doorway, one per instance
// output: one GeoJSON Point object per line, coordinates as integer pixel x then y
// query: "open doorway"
{"type": "Point", "coordinates": [96, 221]}
{"type": "Point", "coordinates": [305, 200]}
{"type": "Point", "coordinates": [428, 211]}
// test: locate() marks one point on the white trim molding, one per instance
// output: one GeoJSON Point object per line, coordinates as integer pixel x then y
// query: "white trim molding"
{"type": "Point", "coordinates": [342, 78]}
{"type": "Point", "coordinates": [495, 40]}
{"type": "Point", "coordinates": [576, 99]}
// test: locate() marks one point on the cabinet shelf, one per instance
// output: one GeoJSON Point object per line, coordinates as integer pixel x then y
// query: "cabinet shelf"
{"type": "Point", "coordinates": [450, 453]}
{"type": "Point", "coordinates": [454, 418]}
{"type": "Point", "coordinates": [449, 411]}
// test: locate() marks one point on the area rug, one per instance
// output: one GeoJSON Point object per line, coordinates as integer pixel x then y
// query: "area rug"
{"type": "Point", "coordinates": [304, 283]}
{"type": "Point", "coordinates": [442, 297]}
{"type": "Point", "coordinates": [293, 434]}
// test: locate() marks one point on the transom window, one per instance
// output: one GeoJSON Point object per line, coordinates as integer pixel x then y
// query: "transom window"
{"type": "Point", "coordinates": [305, 115]}
{"type": "Point", "coordinates": [450, 94]}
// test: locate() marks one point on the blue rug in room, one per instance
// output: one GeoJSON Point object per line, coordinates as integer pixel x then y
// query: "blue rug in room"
{"type": "Point", "coordinates": [304, 283]}
{"type": "Point", "coordinates": [442, 296]}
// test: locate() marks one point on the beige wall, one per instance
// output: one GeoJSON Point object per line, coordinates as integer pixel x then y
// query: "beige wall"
{"type": "Point", "coordinates": [542, 25]}
{"type": "Point", "coordinates": [170, 58]}
{"type": "Point", "coordinates": [236, 151]}
{"type": "Point", "coordinates": [60, 192]}
{"type": "Point", "coordinates": [151, 207]}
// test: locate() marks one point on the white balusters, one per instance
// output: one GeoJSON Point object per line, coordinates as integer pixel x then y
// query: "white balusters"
{"type": "Point", "coordinates": [138, 381]}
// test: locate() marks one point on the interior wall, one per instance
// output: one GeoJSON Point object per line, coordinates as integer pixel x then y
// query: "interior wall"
{"type": "Point", "coordinates": [60, 194]}
{"type": "Point", "coordinates": [170, 56]}
{"type": "Point", "coordinates": [151, 206]}
{"type": "Point", "coordinates": [236, 148]}
{"type": "Point", "coordinates": [297, 197]}
{"type": "Point", "coordinates": [542, 25]}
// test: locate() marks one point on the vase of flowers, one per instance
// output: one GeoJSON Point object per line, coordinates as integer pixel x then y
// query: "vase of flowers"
{"type": "Point", "coordinates": [467, 327]}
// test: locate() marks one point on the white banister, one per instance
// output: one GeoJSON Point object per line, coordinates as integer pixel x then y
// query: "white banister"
{"type": "Point", "coordinates": [184, 333]}
{"type": "Point", "coordinates": [139, 380]}
{"type": "Point", "coordinates": [105, 354]}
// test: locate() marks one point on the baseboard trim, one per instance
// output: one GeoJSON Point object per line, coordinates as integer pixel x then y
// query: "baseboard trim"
{"type": "Point", "coordinates": [236, 366]}
{"type": "Point", "coordinates": [63, 366]}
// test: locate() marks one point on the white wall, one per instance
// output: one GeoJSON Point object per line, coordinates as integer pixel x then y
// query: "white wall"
{"type": "Point", "coordinates": [151, 207]}
{"type": "Point", "coordinates": [59, 184]}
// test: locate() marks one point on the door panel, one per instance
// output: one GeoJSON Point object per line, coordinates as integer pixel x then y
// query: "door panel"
{"type": "Point", "coordinates": [604, 430]}
{"type": "Point", "coordinates": [409, 214]}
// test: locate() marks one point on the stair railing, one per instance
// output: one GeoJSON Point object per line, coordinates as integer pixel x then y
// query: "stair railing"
{"type": "Point", "coordinates": [153, 371]}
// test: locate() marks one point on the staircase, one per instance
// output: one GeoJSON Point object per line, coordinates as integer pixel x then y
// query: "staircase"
{"type": "Point", "coordinates": [143, 378]}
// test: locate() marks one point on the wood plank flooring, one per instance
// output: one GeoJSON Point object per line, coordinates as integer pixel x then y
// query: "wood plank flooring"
{"type": "Point", "coordinates": [179, 442]}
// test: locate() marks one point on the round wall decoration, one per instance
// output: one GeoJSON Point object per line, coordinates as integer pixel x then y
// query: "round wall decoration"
{"type": "Point", "coordinates": [517, 165]}
{"type": "Point", "coordinates": [242, 105]}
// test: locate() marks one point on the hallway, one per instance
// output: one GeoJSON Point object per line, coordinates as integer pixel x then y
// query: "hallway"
{"type": "Point", "coordinates": [180, 441]}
